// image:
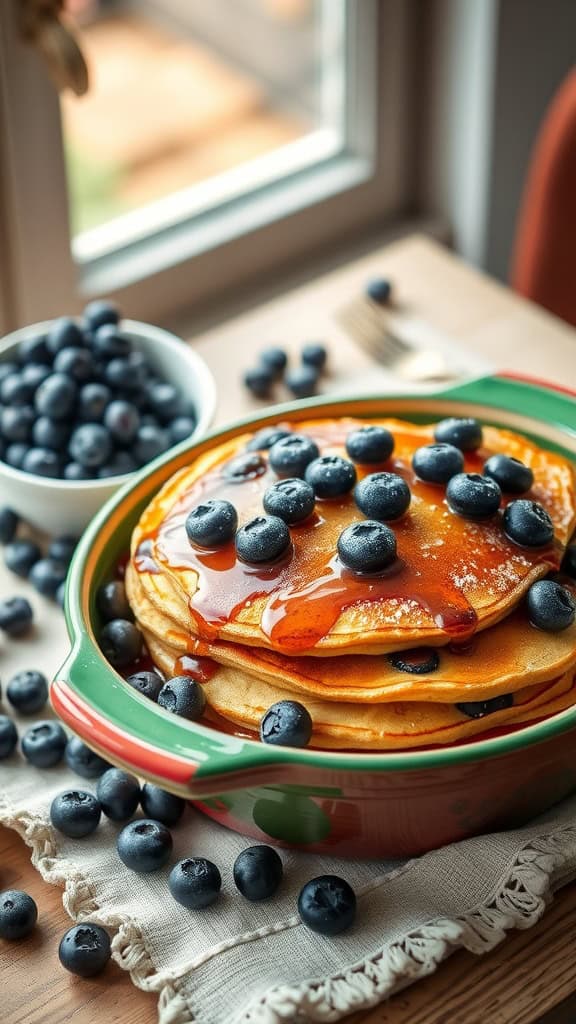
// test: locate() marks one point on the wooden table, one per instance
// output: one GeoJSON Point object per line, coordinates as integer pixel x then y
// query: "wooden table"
{"type": "Point", "coordinates": [532, 976]}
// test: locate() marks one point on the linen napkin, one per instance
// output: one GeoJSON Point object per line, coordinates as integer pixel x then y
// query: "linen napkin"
{"type": "Point", "coordinates": [256, 963]}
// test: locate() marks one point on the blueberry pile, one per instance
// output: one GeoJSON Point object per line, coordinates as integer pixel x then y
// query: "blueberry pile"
{"type": "Point", "coordinates": [46, 571]}
{"type": "Point", "coordinates": [301, 381]}
{"type": "Point", "coordinates": [80, 402]}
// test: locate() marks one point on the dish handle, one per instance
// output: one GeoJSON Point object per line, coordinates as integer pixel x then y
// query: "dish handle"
{"type": "Point", "coordinates": [179, 755]}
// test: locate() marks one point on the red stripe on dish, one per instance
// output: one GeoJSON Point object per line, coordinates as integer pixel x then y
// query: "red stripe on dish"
{"type": "Point", "coordinates": [96, 730]}
{"type": "Point", "coordinates": [525, 378]}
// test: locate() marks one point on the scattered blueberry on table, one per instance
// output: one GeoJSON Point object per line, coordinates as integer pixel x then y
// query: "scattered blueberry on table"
{"type": "Point", "coordinates": [16, 616]}
{"type": "Point", "coordinates": [85, 949]}
{"type": "Point", "coordinates": [300, 380]}
{"type": "Point", "coordinates": [18, 914]}
{"type": "Point", "coordinates": [44, 743]}
{"type": "Point", "coordinates": [144, 845]}
{"type": "Point", "coordinates": [195, 882]}
{"type": "Point", "coordinates": [75, 813]}
{"type": "Point", "coordinates": [118, 793]}
{"type": "Point", "coordinates": [83, 761]}
{"type": "Point", "coordinates": [160, 805]}
{"type": "Point", "coordinates": [257, 872]}
{"type": "Point", "coordinates": [327, 905]}
{"type": "Point", "coordinates": [379, 290]}
{"type": "Point", "coordinates": [27, 691]}
{"type": "Point", "coordinates": [8, 737]}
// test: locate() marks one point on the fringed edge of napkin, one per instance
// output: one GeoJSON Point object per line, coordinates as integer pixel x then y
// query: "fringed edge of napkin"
{"type": "Point", "coordinates": [519, 901]}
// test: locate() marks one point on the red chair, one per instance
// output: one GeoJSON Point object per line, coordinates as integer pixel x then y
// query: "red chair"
{"type": "Point", "coordinates": [544, 259]}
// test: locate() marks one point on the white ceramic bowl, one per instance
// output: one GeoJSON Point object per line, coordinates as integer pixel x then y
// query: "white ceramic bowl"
{"type": "Point", "coordinates": [66, 506]}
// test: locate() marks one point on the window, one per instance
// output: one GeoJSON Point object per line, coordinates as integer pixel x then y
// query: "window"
{"type": "Point", "coordinates": [216, 141]}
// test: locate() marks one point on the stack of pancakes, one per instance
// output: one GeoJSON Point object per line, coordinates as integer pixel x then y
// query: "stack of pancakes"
{"type": "Point", "coordinates": [436, 649]}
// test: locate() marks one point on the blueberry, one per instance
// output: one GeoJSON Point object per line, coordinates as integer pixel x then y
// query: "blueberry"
{"type": "Point", "coordinates": [368, 546]}
{"type": "Point", "coordinates": [248, 466]}
{"type": "Point", "coordinates": [183, 696]}
{"type": "Point", "coordinates": [7, 368]}
{"type": "Point", "coordinates": [34, 374]}
{"type": "Point", "coordinates": [56, 397]}
{"type": "Point", "coordinates": [8, 524]}
{"type": "Point", "coordinates": [437, 463]}
{"type": "Point", "coordinates": [64, 333]}
{"type": "Point", "coordinates": [480, 708]}
{"type": "Point", "coordinates": [15, 455]}
{"type": "Point", "coordinates": [473, 496]}
{"type": "Point", "coordinates": [370, 445]}
{"type": "Point", "coordinates": [302, 381]}
{"type": "Point", "coordinates": [84, 950]}
{"type": "Point", "coordinates": [118, 794]}
{"type": "Point", "coordinates": [291, 500]}
{"type": "Point", "coordinates": [100, 312]}
{"type": "Point", "coordinates": [527, 523]}
{"type": "Point", "coordinates": [258, 380]}
{"type": "Point", "coordinates": [465, 434]}
{"type": "Point", "coordinates": [61, 549]}
{"type": "Point", "coordinates": [76, 363]}
{"type": "Point", "coordinates": [8, 737]}
{"type": "Point", "coordinates": [569, 561]}
{"type": "Point", "coordinates": [148, 684]}
{"type": "Point", "coordinates": [34, 350]}
{"type": "Point", "coordinates": [15, 391]}
{"type": "Point", "coordinates": [327, 905]}
{"type": "Point", "coordinates": [44, 743]}
{"type": "Point", "coordinates": [75, 813]}
{"type": "Point", "coordinates": [144, 845]}
{"type": "Point", "coordinates": [61, 595]}
{"type": "Point", "coordinates": [112, 602]}
{"type": "Point", "coordinates": [42, 462]}
{"type": "Point", "coordinates": [108, 342]}
{"type": "Point", "coordinates": [46, 575]}
{"type": "Point", "coordinates": [120, 642]}
{"type": "Point", "coordinates": [511, 475]}
{"type": "Point", "coordinates": [122, 420]}
{"type": "Point", "coordinates": [384, 496]}
{"type": "Point", "coordinates": [275, 360]}
{"type": "Point", "coordinates": [379, 290]}
{"type": "Point", "coordinates": [181, 428]}
{"type": "Point", "coordinates": [212, 523]}
{"type": "Point", "coordinates": [27, 691]}
{"type": "Point", "coordinates": [119, 373]}
{"type": "Point", "coordinates": [290, 456]}
{"type": "Point", "coordinates": [16, 423]}
{"type": "Point", "coordinates": [47, 433]}
{"type": "Point", "coordinates": [420, 661]}
{"type": "Point", "coordinates": [90, 445]}
{"type": "Point", "coordinates": [74, 471]}
{"type": "Point", "coordinates": [15, 616]}
{"type": "Point", "coordinates": [314, 354]}
{"type": "Point", "coordinates": [257, 872]}
{"type": "Point", "coordinates": [83, 761]}
{"type": "Point", "coordinates": [164, 401]}
{"type": "Point", "coordinates": [150, 442]}
{"type": "Point", "coordinates": [20, 556]}
{"type": "Point", "coordinates": [160, 805]}
{"type": "Point", "coordinates": [286, 723]}
{"type": "Point", "coordinates": [263, 539]}
{"type": "Point", "coordinates": [18, 914]}
{"type": "Point", "coordinates": [551, 607]}
{"type": "Point", "coordinates": [92, 401]}
{"type": "Point", "coordinates": [120, 464]}
{"type": "Point", "coordinates": [331, 476]}
{"type": "Point", "coordinates": [195, 882]}
{"type": "Point", "coordinates": [265, 438]}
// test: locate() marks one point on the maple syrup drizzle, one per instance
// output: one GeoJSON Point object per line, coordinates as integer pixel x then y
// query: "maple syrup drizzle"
{"type": "Point", "coordinates": [307, 590]}
{"type": "Point", "coordinates": [198, 667]}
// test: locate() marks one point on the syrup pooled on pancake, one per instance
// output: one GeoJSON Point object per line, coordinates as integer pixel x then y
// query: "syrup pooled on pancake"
{"type": "Point", "coordinates": [452, 577]}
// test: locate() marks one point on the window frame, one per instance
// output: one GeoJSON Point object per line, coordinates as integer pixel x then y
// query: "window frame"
{"type": "Point", "coordinates": [240, 240]}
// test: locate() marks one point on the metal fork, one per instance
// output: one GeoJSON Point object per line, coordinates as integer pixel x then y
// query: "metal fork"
{"type": "Point", "coordinates": [407, 347]}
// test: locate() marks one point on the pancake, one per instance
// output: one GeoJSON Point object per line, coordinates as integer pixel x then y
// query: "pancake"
{"type": "Point", "coordinates": [503, 659]}
{"type": "Point", "coordinates": [453, 578]}
{"type": "Point", "coordinates": [242, 700]}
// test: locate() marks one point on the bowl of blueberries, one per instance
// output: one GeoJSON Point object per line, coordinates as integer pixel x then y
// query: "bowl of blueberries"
{"type": "Point", "coordinates": [85, 403]}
